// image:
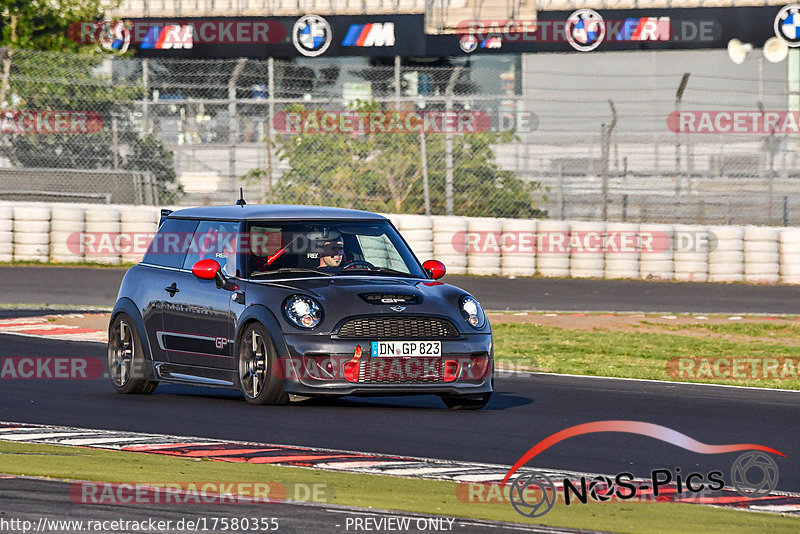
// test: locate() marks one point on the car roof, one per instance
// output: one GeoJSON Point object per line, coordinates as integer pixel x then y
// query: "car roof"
{"type": "Point", "coordinates": [273, 211]}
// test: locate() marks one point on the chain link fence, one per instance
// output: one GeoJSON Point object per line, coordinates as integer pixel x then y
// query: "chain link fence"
{"type": "Point", "coordinates": [565, 136]}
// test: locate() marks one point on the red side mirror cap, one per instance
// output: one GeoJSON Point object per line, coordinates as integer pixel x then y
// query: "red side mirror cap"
{"type": "Point", "coordinates": [434, 268]}
{"type": "Point", "coordinates": [206, 269]}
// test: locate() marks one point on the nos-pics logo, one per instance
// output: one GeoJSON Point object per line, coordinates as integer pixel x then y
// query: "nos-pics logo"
{"type": "Point", "coordinates": [754, 474]}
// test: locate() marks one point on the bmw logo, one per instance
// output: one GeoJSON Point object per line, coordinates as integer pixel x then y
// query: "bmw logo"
{"type": "Point", "coordinates": [787, 25]}
{"type": "Point", "coordinates": [468, 43]}
{"type": "Point", "coordinates": [585, 30]}
{"type": "Point", "coordinates": [115, 36]}
{"type": "Point", "coordinates": [311, 35]}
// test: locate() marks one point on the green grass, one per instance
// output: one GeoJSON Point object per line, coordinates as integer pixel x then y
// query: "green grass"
{"type": "Point", "coordinates": [392, 493]}
{"type": "Point", "coordinates": [762, 329]}
{"type": "Point", "coordinates": [631, 354]}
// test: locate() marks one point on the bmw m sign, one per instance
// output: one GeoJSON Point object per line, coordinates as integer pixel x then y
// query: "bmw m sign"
{"type": "Point", "coordinates": [308, 35]}
{"type": "Point", "coordinates": [371, 34]}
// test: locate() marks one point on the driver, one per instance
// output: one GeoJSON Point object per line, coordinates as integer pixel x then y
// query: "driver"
{"type": "Point", "coordinates": [330, 252]}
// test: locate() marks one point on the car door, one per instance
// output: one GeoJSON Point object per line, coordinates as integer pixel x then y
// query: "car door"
{"type": "Point", "coordinates": [198, 325]}
{"type": "Point", "coordinates": [164, 258]}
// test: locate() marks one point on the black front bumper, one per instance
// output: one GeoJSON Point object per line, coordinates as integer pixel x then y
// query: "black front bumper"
{"type": "Point", "coordinates": [315, 368]}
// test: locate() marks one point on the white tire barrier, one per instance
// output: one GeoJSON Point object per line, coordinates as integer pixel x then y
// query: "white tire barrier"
{"type": "Point", "coordinates": [450, 242]}
{"type": "Point", "coordinates": [483, 246]}
{"type": "Point", "coordinates": [761, 256]}
{"type": "Point", "coordinates": [137, 236]}
{"type": "Point", "coordinates": [656, 253]}
{"type": "Point", "coordinates": [726, 254]}
{"type": "Point", "coordinates": [552, 252]}
{"type": "Point", "coordinates": [31, 234]}
{"type": "Point", "coordinates": [622, 250]}
{"type": "Point", "coordinates": [518, 247]}
{"type": "Point", "coordinates": [6, 219]}
{"type": "Point", "coordinates": [66, 234]}
{"type": "Point", "coordinates": [417, 230]}
{"type": "Point", "coordinates": [690, 246]}
{"type": "Point", "coordinates": [789, 241]}
{"type": "Point", "coordinates": [587, 254]}
{"type": "Point", "coordinates": [102, 230]}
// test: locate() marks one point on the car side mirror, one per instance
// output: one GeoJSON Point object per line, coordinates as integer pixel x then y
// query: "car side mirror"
{"type": "Point", "coordinates": [209, 269]}
{"type": "Point", "coordinates": [206, 269]}
{"type": "Point", "coordinates": [434, 268]}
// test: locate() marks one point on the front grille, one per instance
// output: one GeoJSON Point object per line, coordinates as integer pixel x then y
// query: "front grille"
{"type": "Point", "coordinates": [400, 370]}
{"type": "Point", "coordinates": [398, 328]}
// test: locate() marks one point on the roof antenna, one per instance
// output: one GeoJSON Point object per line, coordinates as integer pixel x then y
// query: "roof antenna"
{"type": "Point", "coordinates": [241, 201]}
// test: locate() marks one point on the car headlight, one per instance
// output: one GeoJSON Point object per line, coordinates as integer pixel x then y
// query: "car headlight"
{"type": "Point", "coordinates": [302, 311]}
{"type": "Point", "coordinates": [472, 311]}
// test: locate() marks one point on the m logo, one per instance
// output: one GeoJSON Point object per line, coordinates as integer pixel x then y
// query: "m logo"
{"type": "Point", "coordinates": [373, 34]}
{"type": "Point", "coordinates": [397, 308]}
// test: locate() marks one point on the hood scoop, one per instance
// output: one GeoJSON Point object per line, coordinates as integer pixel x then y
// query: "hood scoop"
{"type": "Point", "coordinates": [389, 298]}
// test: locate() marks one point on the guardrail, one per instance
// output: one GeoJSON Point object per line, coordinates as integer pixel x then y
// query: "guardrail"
{"type": "Point", "coordinates": [59, 233]}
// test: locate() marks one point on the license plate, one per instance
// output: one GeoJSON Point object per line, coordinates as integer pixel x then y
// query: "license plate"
{"type": "Point", "coordinates": [406, 348]}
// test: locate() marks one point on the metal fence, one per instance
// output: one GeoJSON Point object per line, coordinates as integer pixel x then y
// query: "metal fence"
{"type": "Point", "coordinates": [571, 136]}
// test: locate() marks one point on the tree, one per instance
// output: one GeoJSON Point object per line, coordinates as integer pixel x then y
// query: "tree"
{"type": "Point", "coordinates": [45, 69]}
{"type": "Point", "coordinates": [383, 172]}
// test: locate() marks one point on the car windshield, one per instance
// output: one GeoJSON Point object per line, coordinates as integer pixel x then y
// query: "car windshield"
{"type": "Point", "coordinates": [332, 248]}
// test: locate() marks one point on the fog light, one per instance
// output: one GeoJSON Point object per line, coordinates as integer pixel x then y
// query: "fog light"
{"type": "Point", "coordinates": [350, 367]}
{"type": "Point", "coordinates": [450, 370]}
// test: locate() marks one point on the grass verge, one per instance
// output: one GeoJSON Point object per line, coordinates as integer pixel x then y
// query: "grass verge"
{"type": "Point", "coordinates": [392, 493]}
{"type": "Point", "coordinates": [622, 354]}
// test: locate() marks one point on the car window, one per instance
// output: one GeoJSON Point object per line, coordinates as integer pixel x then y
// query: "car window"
{"type": "Point", "coordinates": [169, 246]}
{"type": "Point", "coordinates": [379, 251]}
{"type": "Point", "coordinates": [216, 240]}
{"type": "Point", "coordinates": [329, 247]}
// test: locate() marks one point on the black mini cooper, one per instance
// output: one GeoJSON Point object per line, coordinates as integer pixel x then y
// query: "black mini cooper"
{"type": "Point", "coordinates": [292, 302]}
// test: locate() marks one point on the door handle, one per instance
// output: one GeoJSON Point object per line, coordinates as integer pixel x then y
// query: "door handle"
{"type": "Point", "coordinates": [172, 289]}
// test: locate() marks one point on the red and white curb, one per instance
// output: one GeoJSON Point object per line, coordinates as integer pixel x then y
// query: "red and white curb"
{"type": "Point", "coordinates": [44, 327]}
{"type": "Point", "coordinates": [342, 461]}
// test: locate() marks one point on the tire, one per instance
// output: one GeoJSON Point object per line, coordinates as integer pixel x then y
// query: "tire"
{"type": "Point", "coordinates": [756, 247]}
{"type": "Point", "coordinates": [414, 222]}
{"type": "Point", "coordinates": [423, 235]}
{"type": "Point", "coordinates": [35, 227]}
{"type": "Point", "coordinates": [29, 213]}
{"type": "Point", "coordinates": [67, 214]}
{"type": "Point", "coordinates": [128, 374]}
{"type": "Point", "coordinates": [256, 362]}
{"type": "Point", "coordinates": [466, 402]}
{"type": "Point", "coordinates": [725, 233]}
{"type": "Point", "coordinates": [30, 238]}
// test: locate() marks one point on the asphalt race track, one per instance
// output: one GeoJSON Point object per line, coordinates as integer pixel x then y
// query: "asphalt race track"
{"type": "Point", "coordinates": [524, 410]}
{"type": "Point", "coordinates": [98, 287]}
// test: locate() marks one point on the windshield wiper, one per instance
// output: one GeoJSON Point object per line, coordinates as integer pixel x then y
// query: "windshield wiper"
{"type": "Point", "coordinates": [376, 269]}
{"type": "Point", "coordinates": [284, 270]}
